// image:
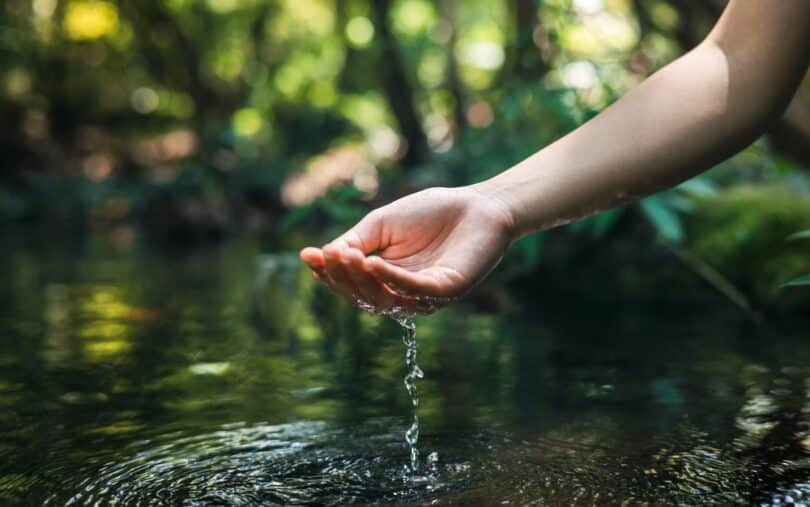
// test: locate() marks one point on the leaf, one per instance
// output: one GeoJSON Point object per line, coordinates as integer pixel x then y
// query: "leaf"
{"type": "Point", "coordinates": [680, 203]}
{"type": "Point", "coordinates": [604, 221]}
{"type": "Point", "coordinates": [665, 221]}
{"type": "Point", "coordinates": [799, 235]}
{"type": "Point", "coordinates": [296, 216]}
{"type": "Point", "coordinates": [699, 187]}
{"type": "Point", "coordinates": [597, 225]}
{"type": "Point", "coordinates": [798, 282]}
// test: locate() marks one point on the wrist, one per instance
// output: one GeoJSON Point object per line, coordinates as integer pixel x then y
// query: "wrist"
{"type": "Point", "coordinates": [503, 207]}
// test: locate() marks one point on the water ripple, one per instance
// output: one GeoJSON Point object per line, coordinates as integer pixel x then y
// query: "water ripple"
{"type": "Point", "coordinates": [293, 464]}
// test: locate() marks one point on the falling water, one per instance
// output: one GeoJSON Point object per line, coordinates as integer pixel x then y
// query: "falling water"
{"type": "Point", "coordinates": [414, 372]}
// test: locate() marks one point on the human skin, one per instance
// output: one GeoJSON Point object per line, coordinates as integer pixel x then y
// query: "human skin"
{"type": "Point", "coordinates": [426, 249]}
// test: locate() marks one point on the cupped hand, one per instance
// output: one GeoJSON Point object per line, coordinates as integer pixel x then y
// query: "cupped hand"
{"type": "Point", "coordinates": [417, 253]}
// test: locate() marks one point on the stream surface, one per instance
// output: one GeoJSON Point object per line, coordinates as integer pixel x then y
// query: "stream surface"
{"type": "Point", "coordinates": [229, 378]}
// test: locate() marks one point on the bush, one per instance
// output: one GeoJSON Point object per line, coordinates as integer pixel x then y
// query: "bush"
{"type": "Point", "coordinates": [743, 233]}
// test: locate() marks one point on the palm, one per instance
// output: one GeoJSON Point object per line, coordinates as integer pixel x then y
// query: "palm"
{"type": "Point", "coordinates": [443, 237]}
{"type": "Point", "coordinates": [430, 246]}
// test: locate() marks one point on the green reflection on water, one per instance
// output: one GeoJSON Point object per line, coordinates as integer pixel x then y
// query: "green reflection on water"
{"type": "Point", "coordinates": [100, 350]}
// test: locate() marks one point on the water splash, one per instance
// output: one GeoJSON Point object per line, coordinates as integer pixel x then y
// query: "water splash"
{"type": "Point", "coordinates": [414, 372]}
{"type": "Point", "coordinates": [404, 317]}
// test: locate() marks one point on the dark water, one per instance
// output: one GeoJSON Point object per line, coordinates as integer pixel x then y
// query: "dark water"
{"type": "Point", "coordinates": [228, 378]}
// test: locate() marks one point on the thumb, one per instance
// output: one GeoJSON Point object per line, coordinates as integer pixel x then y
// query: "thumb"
{"type": "Point", "coordinates": [367, 235]}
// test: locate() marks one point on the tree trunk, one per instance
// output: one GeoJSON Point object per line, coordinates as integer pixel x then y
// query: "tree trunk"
{"type": "Point", "coordinates": [453, 78]}
{"type": "Point", "coordinates": [524, 59]}
{"type": "Point", "coordinates": [149, 17]}
{"type": "Point", "coordinates": [398, 90]}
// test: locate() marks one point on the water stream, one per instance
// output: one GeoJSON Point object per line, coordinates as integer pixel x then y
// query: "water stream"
{"type": "Point", "coordinates": [406, 322]}
{"type": "Point", "coordinates": [413, 373]}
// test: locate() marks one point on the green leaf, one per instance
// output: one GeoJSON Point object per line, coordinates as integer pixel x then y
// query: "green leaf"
{"type": "Point", "coordinates": [604, 221]}
{"type": "Point", "coordinates": [798, 282]}
{"type": "Point", "coordinates": [665, 221]}
{"type": "Point", "coordinates": [296, 216]}
{"type": "Point", "coordinates": [699, 187]}
{"type": "Point", "coordinates": [680, 203]}
{"type": "Point", "coordinates": [799, 235]}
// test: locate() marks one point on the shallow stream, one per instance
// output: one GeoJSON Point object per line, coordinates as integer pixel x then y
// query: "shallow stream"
{"type": "Point", "coordinates": [229, 378]}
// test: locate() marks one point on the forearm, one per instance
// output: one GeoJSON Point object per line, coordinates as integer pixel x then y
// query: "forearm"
{"type": "Point", "coordinates": [692, 114]}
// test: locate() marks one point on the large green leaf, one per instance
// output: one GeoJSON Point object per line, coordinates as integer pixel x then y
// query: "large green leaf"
{"type": "Point", "coordinates": [665, 221]}
{"type": "Point", "coordinates": [699, 187]}
{"type": "Point", "coordinates": [604, 221]}
{"type": "Point", "coordinates": [799, 235]}
{"type": "Point", "coordinates": [297, 215]}
{"type": "Point", "coordinates": [798, 282]}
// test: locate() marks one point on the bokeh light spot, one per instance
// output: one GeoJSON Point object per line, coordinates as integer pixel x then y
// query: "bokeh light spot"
{"type": "Point", "coordinates": [222, 6]}
{"type": "Point", "coordinates": [144, 100]}
{"type": "Point", "coordinates": [247, 122]}
{"type": "Point", "coordinates": [588, 6]}
{"type": "Point", "coordinates": [87, 20]}
{"type": "Point", "coordinates": [18, 83]}
{"type": "Point", "coordinates": [665, 16]}
{"type": "Point", "coordinates": [413, 17]}
{"type": "Point", "coordinates": [44, 8]}
{"type": "Point", "coordinates": [359, 31]}
{"type": "Point", "coordinates": [479, 114]}
{"type": "Point", "coordinates": [98, 167]}
{"type": "Point", "coordinates": [482, 54]}
{"type": "Point", "coordinates": [579, 75]}
{"type": "Point", "coordinates": [322, 94]}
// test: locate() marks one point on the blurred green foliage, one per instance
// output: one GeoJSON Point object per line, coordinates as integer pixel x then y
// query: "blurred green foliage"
{"type": "Point", "coordinates": [742, 231]}
{"type": "Point", "coordinates": [192, 120]}
{"type": "Point", "coordinates": [802, 280]}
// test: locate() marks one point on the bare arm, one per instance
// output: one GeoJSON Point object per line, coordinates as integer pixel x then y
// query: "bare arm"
{"type": "Point", "coordinates": [695, 112]}
{"type": "Point", "coordinates": [692, 114]}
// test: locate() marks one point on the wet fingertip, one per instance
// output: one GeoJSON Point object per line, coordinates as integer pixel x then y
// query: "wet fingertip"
{"type": "Point", "coordinates": [371, 264]}
{"type": "Point", "coordinates": [309, 255]}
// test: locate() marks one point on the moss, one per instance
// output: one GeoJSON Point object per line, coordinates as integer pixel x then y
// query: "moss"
{"type": "Point", "coordinates": [742, 232]}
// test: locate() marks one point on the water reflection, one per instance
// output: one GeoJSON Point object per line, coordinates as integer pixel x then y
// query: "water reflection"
{"type": "Point", "coordinates": [230, 377]}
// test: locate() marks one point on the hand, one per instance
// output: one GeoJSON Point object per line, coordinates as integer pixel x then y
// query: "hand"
{"type": "Point", "coordinates": [430, 247]}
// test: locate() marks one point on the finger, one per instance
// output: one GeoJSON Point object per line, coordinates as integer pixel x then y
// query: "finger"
{"type": "Point", "coordinates": [370, 290]}
{"type": "Point", "coordinates": [366, 236]}
{"type": "Point", "coordinates": [313, 257]}
{"type": "Point", "coordinates": [319, 273]}
{"type": "Point", "coordinates": [320, 276]}
{"type": "Point", "coordinates": [323, 277]}
{"type": "Point", "coordinates": [408, 282]}
{"type": "Point", "coordinates": [337, 273]}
